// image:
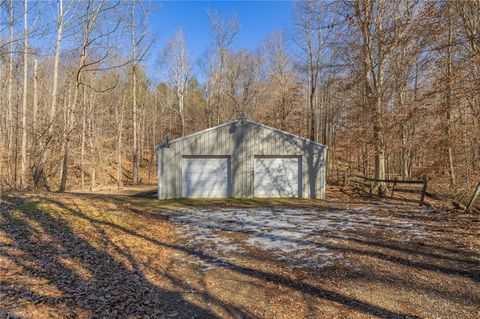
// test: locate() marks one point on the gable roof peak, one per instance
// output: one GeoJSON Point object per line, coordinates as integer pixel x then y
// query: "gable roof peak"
{"type": "Point", "coordinates": [242, 119]}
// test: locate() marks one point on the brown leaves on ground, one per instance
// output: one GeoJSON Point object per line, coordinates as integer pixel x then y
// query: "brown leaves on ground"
{"type": "Point", "coordinates": [85, 256]}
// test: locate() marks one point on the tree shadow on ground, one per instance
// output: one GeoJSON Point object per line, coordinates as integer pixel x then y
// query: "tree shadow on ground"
{"type": "Point", "coordinates": [115, 290]}
{"type": "Point", "coordinates": [109, 288]}
{"type": "Point", "coordinates": [297, 285]}
{"type": "Point", "coordinates": [445, 260]}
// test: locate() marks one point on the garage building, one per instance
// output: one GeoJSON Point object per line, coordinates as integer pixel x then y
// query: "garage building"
{"type": "Point", "coordinates": [241, 158]}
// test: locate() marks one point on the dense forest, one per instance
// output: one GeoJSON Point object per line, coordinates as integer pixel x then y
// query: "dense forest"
{"type": "Point", "coordinates": [392, 87]}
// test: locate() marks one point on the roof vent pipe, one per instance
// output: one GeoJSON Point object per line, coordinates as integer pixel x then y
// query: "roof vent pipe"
{"type": "Point", "coordinates": [166, 139]}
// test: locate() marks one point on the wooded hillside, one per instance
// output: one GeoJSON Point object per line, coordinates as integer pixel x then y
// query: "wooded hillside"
{"type": "Point", "coordinates": [392, 87]}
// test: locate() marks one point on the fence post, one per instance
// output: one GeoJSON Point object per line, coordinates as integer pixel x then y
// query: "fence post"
{"type": "Point", "coordinates": [424, 190]}
{"type": "Point", "coordinates": [474, 197]}
{"type": "Point", "coordinates": [393, 187]}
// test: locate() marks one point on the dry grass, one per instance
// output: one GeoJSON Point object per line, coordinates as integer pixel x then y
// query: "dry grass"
{"type": "Point", "coordinates": [104, 256]}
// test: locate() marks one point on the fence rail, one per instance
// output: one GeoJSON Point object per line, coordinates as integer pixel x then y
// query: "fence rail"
{"type": "Point", "coordinates": [474, 197]}
{"type": "Point", "coordinates": [369, 183]}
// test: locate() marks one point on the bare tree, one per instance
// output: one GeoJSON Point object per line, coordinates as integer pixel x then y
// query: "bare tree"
{"type": "Point", "coordinates": [9, 116]}
{"type": "Point", "coordinates": [140, 47]}
{"type": "Point", "coordinates": [368, 17]}
{"type": "Point", "coordinates": [34, 127]}
{"type": "Point", "coordinates": [393, 88]}
{"type": "Point", "coordinates": [223, 33]}
{"type": "Point", "coordinates": [56, 60]}
{"type": "Point", "coordinates": [23, 182]}
{"type": "Point", "coordinates": [448, 96]}
{"type": "Point", "coordinates": [94, 12]}
{"type": "Point", "coordinates": [175, 58]}
{"type": "Point", "coordinates": [119, 115]}
{"type": "Point", "coordinates": [134, 98]}
{"type": "Point", "coordinates": [284, 88]}
{"type": "Point", "coordinates": [311, 41]}
{"type": "Point", "coordinates": [38, 165]}
{"type": "Point", "coordinates": [244, 82]}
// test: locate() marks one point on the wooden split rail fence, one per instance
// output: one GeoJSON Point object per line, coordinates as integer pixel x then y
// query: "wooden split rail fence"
{"type": "Point", "coordinates": [472, 200]}
{"type": "Point", "coordinates": [363, 181]}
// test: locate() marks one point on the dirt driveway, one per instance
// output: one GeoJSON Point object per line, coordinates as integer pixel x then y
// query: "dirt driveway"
{"type": "Point", "coordinates": [84, 256]}
{"type": "Point", "coordinates": [297, 238]}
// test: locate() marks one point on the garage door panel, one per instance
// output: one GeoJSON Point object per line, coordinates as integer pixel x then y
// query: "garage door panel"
{"type": "Point", "coordinates": [277, 177]}
{"type": "Point", "coordinates": [205, 177]}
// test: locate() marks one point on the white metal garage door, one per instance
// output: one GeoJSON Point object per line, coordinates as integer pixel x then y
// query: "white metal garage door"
{"type": "Point", "coordinates": [206, 177]}
{"type": "Point", "coordinates": [277, 177]}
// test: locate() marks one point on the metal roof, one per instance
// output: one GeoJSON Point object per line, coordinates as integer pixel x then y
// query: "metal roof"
{"type": "Point", "coordinates": [242, 119]}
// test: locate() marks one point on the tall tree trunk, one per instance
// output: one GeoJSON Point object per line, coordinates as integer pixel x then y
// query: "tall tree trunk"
{"type": "Point", "coordinates": [142, 132]}
{"type": "Point", "coordinates": [82, 146]}
{"type": "Point", "coordinates": [23, 167]}
{"type": "Point", "coordinates": [181, 111]}
{"type": "Point", "coordinates": [311, 102]}
{"type": "Point", "coordinates": [135, 129]}
{"type": "Point", "coordinates": [38, 168]}
{"type": "Point", "coordinates": [379, 140]}
{"type": "Point", "coordinates": [119, 143]}
{"type": "Point", "coordinates": [2, 134]}
{"type": "Point", "coordinates": [448, 102]}
{"type": "Point", "coordinates": [91, 18]}
{"type": "Point", "coordinates": [66, 137]}
{"type": "Point", "coordinates": [378, 130]}
{"type": "Point", "coordinates": [154, 136]}
{"type": "Point", "coordinates": [56, 60]}
{"type": "Point", "coordinates": [373, 80]}
{"type": "Point", "coordinates": [134, 100]}
{"type": "Point", "coordinates": [35, 98]}
{"type": "Point", "coordinates": [33, 150]}
{"type": "Point", "coordinates": [9, 119]}
{"type": "Point", "coordinates": [404, 133]}
{"type": "Point", "coordinates": [93, 144]}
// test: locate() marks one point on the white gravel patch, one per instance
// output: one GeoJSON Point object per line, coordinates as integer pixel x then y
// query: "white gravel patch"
{"type": "Point", "coordinates": [300, 238]}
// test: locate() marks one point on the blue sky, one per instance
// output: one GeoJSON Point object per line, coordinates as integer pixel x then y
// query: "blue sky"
{"type": "Point", "coordinates": [257, 20]}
